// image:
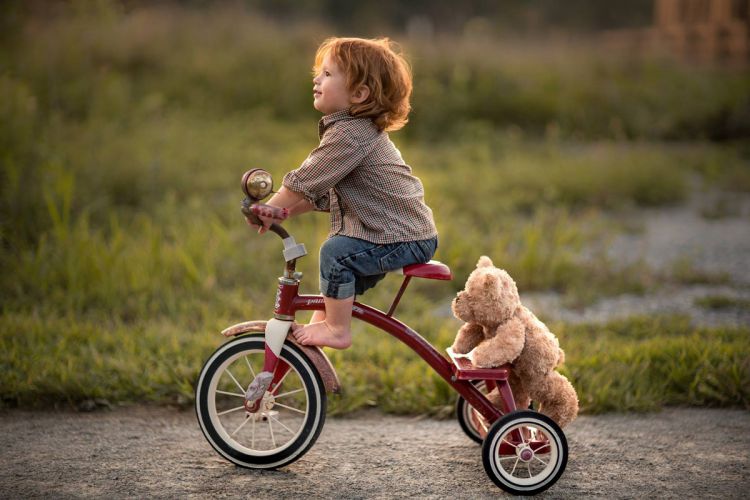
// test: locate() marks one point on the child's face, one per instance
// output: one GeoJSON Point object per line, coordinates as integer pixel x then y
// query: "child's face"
{"type": "Point", "coordinates": [329, 88]}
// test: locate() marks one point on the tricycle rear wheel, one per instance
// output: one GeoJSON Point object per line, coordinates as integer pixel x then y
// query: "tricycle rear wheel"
{"type": "Point", "coordinates": [471, 421]}
{"type": "Point", "coordinates": [525, 452]}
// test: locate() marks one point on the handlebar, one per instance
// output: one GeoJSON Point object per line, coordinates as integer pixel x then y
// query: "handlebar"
{"type": "Point", "coordinates": [257, 184]}
{"type": "Point", "coordinates": [251, 211]}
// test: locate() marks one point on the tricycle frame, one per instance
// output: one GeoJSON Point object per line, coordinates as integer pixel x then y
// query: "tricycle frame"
{"type": "Point", "coordinates": [288, 302]}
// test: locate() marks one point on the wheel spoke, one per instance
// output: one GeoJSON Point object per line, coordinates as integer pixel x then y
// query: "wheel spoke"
{"type": "Point", "coordinates": [230, 411]}
{"type": "Point", "coordinates": [230, 393]}
{"type": "Point", "coordinates": [278, 384]}
{"type": "Point", "coordinates": [270, 428]}
{"type": "Point", "coordinates": [281, 424]}
{"type": "Point", "coordinates": [249, 366]}
{"type": "Point", "coordinates": [252, 439]}
{"type": "Point", "coordinates": [547, 445]}
{"type": "Point", "coordinates": [543, 462]}
{"type": "Point", "coordinates": [235, 381]}
{"type": "Point", "coordinates": [508, 442]}
{"type": "Point", "coordinates": [514, 465]}
{"type": "Point", "coordinates": [480, 419]}
{"type": "Point", "coordinates": [289, 393]}
{"type": "Point", "coordinates": [528, 468]}
{"type": "Point", "coordinates": [289, 408]}
{"type": "Point", "coordinates": [241, 425]}
{"type": "Point", "coordinates": [520, 431]}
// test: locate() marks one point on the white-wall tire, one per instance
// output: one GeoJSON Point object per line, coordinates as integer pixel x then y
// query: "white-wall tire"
{"type": "Point", "coordinates": [516, 457]}
{"type": "Point", "coordinates": [289, 421]}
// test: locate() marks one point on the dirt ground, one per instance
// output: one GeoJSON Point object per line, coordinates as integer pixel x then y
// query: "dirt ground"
{"type": "Point", "coordinates": [159, 452]}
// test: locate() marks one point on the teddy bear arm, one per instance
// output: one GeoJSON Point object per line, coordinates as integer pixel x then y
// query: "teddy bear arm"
{"type": "Point", "coordinates": [467, 338]}
{"type": "Point", "coordinates": [503, 348]}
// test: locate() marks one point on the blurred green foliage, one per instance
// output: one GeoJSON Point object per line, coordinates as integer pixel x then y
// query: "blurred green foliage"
{"type": "Point", "coordinates": [124, 132]}
{"type": "Point", "coordinates": [515, 16]}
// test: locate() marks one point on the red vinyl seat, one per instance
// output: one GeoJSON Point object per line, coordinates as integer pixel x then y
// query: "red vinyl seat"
{"type": "Point", "coordinates": [433, 270]}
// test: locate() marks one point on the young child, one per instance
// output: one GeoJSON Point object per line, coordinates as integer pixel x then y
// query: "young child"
{"type": "Point", "coordinates": [379, 220]}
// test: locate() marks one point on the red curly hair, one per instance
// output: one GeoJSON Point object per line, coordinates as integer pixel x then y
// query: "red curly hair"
{"type": "Point", "coordinates": [376, 64]}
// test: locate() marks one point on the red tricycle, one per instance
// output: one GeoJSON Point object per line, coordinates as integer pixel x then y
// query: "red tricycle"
{"type": "Point", "coordinates": [261, 396]}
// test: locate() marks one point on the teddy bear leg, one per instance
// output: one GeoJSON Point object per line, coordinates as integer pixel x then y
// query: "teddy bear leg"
{"type": "Point", "coordinates": [494, 397]}
{"type": "Point", "coordinates": [520, 393]}
{"type": "Point", "coordinates": [468, 336]}
{"type": "Point", "coordinates": [558, 398]}
{"type": "Point", "coordinates": [521, 396]}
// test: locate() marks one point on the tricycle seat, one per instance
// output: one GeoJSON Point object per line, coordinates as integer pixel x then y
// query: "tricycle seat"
{"type": "Point", "coordinates": [433, 270]}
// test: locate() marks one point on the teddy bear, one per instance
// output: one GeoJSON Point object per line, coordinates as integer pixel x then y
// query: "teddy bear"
{"type": "Point", "coordinates": [499, 330]}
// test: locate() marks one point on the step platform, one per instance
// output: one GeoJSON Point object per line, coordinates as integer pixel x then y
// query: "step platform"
{"type": "Point", "coordinates": [463, 369]}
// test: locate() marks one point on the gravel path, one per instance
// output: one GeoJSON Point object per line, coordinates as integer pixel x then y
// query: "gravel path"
{"type": "Point", "coordinates": [157, 452]}
{"type": "Point", "coordinates": [714, 246]}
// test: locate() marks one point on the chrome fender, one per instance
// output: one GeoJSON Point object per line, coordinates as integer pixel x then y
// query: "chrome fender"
{"type": "Point", "coordinates": [315, 353]}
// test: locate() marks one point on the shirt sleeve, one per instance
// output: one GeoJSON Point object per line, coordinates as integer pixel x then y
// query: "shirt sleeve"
{"type": "Point", "coordinates": [323, 204]}
{"type": "Point", "coordinates": [336, 156]}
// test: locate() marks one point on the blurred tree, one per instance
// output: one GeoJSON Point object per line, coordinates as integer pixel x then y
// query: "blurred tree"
{"type": "Point", "coordinates": [451, 16]}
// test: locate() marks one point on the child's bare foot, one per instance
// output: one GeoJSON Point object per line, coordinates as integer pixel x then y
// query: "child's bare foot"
{"type": "Point", "coordinates": [322, 335]}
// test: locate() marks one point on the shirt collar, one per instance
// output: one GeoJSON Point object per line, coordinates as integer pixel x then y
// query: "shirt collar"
{"type": "Point", "coordinates": [329, 120]}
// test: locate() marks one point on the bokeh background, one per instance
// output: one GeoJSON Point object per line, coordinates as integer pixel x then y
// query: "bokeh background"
{"type": "Point", "coordinates": [544, 132]}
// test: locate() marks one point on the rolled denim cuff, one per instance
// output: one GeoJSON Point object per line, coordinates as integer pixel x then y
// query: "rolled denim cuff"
{"type": "Point", "coordinates": [336, 290]}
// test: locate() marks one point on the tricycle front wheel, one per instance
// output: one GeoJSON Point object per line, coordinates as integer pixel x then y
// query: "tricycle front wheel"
{"type": "Point", "coordinates": [525, 452]}
{"type": "Point", "coordinates": [289, 419]}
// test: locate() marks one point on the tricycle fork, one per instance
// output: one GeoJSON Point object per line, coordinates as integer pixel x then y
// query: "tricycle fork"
{"type": "Point", "coordinates": [274, 368]}
{"type": "Point", "coordinates": [276, 331]}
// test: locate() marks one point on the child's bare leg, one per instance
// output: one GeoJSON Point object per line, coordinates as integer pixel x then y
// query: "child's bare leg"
{"type": "Point", "coordinates": [334, 330]}
{"type": "Point", "coordinates": [317, 316]}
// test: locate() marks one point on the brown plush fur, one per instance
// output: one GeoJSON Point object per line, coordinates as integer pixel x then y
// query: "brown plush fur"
{"type": "Point", "coordinates": [500, 330]}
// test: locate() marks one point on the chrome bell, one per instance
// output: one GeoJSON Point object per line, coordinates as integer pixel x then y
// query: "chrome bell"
{"type": "Point", "coordinates": [257, 184]}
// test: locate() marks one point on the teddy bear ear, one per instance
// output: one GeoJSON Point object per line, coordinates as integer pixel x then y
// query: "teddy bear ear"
{"type": "Point", "coordinates": [490, 285]}
{"type": "Point", "coordinates": [484, 261]}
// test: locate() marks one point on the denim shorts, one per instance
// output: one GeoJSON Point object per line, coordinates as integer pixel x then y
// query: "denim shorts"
{"type": "Point", "coordinates": [349, 266]}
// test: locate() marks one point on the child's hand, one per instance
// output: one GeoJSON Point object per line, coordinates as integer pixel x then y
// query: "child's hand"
{"type": "Point", "coordinates": [267, 215]}
{"type": "Point", "coordinates": [266, 223]}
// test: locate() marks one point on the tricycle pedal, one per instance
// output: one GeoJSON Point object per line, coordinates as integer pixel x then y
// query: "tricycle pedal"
{"type": "Point", "coordinates": [256, 390]}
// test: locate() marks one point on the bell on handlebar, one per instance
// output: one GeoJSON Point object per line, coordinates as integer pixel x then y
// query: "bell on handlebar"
{"type": "Point", "coordinates": [257, 184]}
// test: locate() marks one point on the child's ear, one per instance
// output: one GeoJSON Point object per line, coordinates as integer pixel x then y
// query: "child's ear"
{"type": "Point", "coordinates": [360, 94]}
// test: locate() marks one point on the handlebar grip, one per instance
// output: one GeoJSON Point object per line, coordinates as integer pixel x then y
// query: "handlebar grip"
{"type": "Point", "coordinates": [268, 211]}
{"type": "Point", "coordinates": [247, 211]}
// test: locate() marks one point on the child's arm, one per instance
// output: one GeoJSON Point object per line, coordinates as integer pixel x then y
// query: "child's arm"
{"type": "Point", "coordinates": [307, 187]}
{"type": "Point", "coordinates": [285, 198]}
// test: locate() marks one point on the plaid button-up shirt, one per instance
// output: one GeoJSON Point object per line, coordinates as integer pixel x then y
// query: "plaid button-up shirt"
{"type": "Point", "coordinates": [358, 175]}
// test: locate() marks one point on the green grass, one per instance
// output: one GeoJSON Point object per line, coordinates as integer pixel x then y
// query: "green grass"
{"type": "Point", "coordinates": [47, 360]}
{"type": "Point", "coordinates": [647, 363]}
{"type": "Point", "coordinates": [683, 270]}
{"type": "Point", "coordinates": [639, 364]}
{"type": "Point", "coordinates": [723, 302]}
{"type": "Point", "coordinates": [123, 250]}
